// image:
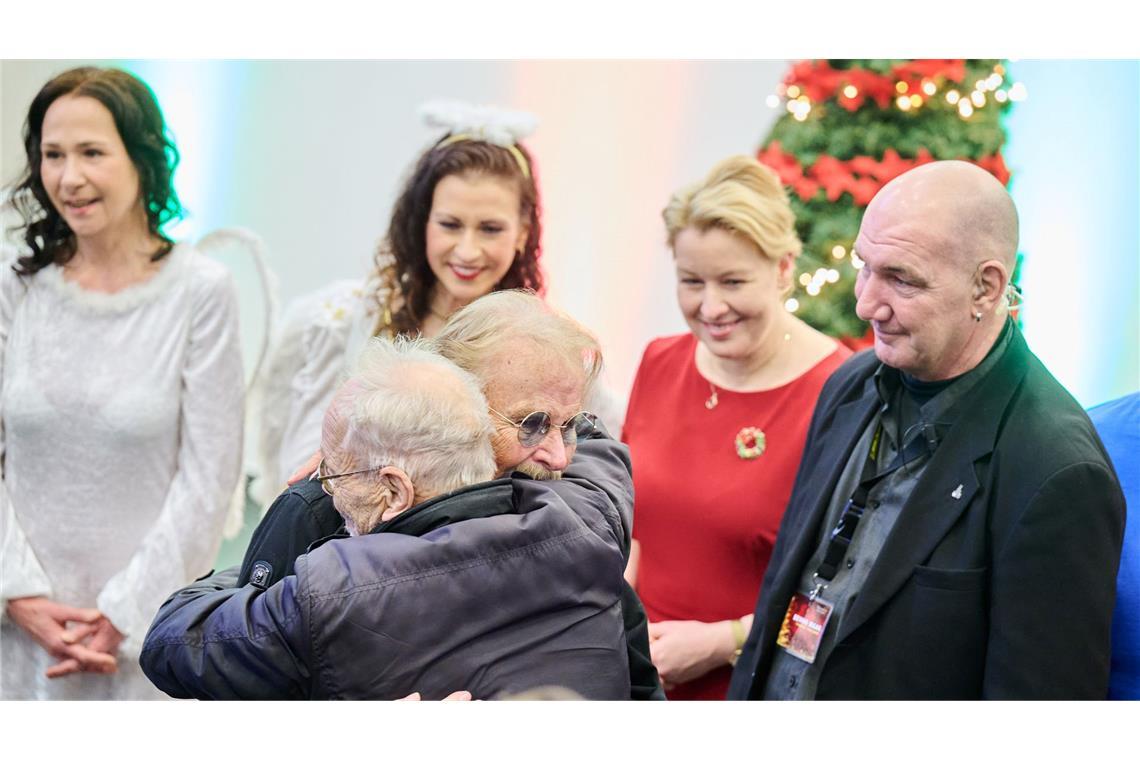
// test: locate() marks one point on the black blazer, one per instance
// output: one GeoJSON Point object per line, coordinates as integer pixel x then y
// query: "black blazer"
{"type": "Point", "coordinates": [1005, 592]}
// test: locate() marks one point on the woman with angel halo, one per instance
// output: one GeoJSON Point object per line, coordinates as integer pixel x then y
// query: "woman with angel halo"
{"type": "Point", "coordinates": [465, 223]}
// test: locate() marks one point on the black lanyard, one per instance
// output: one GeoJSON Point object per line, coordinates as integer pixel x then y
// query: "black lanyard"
{"type": "Point", "coordinates": [844, 530]}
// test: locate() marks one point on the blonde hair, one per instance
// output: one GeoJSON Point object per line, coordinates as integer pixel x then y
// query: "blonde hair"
{"type": "Point", "coordinates": [474, 334]}
{"type": "Point", "coordinates": [742, 196]}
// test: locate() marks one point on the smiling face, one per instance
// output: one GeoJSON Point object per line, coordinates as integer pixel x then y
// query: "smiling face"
{"type": "Point", "coordinates": [473, 232]}
{"type": "Point", "coordinates": [729, 292]}
{"type": "Point", "coordinates": [87, 172]}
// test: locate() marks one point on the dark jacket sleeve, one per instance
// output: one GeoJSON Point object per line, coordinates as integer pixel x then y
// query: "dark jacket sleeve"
{"type": "Point", "coordinates": [290, 526]}
{"type": "Point", "coordinates": [644, 682]}
{"type": "Point", "coordinates": [213, 640]}
{"type": "Point", "coordinates": [600, 474]}
{"type": "Point", "coordinates": [1053, 590]}
{"type": "Point", "coordinates": [837, 387]}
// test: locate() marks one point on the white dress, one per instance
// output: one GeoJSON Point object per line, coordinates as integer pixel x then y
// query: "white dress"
{"type": "Point", "coordinates": [320, 337]}
{"type": "Point", "coordinates": [120, 442]}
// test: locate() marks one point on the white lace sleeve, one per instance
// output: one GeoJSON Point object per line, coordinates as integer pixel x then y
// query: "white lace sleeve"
{"type": "Point", "coordinates": [306, 364]}
{"type": "Point", "coordinates": [21, 573]}
{"type": "Point", "coordinates": [184, 539]}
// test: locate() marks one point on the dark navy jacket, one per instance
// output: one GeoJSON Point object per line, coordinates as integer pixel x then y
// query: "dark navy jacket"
{"type": "Point", "coordinates": [304, 517]}
{"type": "Point", "coordinates": [523, 593]}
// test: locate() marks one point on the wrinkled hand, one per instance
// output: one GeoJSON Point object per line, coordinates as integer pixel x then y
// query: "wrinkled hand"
{"type": "Point", "coordinates": [455, 696]}
{"type": "Point", "coordinates": [682, 650]}
{"type": "Point", "coordinates": [46, 622]}
{"type": "Point", "coordinates": [305, 470]}
{"type": "Point", "coordinates": [100, 636]}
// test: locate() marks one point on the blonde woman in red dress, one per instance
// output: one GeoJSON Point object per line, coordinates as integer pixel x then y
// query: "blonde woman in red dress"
{"type": "Point", "coordinates": [716, 423]}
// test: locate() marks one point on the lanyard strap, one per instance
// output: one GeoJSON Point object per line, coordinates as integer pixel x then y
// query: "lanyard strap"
{"type": "Point", "coordinates": [844, 530]}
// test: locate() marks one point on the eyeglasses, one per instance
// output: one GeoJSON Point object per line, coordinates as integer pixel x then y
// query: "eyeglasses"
{"type": "Point", "coordinates": [534, 427]}
{"type": "Point", "coordinates": [320, 477]}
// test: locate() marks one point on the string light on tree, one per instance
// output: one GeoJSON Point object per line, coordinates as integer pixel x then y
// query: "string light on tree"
{"type": "Point", "coordinates": [847, 127]}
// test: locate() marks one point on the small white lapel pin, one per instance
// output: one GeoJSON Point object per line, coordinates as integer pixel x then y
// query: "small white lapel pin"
{"type": "Point", "coordinates": [957, 492]}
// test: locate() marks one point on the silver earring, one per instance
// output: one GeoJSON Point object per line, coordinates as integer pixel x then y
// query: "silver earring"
{"type": "Point", "coordinates": [977, 316]}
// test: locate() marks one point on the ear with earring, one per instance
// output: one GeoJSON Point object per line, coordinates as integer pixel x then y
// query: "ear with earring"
{"type": "Point", "coordinates": [977, 316]}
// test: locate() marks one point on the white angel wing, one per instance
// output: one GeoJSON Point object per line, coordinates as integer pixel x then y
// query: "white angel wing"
{"type": "Point", "coordinates": [243, 252]}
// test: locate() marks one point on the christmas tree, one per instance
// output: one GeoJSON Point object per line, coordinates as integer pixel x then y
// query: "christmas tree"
{"type": "Point", "coordinates": [850, 127]}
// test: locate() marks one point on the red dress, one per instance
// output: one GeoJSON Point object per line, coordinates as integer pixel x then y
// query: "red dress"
{"type": "Point", "coordinates": [705, 516]}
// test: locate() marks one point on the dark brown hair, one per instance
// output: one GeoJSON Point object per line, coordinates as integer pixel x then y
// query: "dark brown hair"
{"type": "Point", "coordinates": [407, 232]}
{"type": "Point", "coordinates": [139, 122]}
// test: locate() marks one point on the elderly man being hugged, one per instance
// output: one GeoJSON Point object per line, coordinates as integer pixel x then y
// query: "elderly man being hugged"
{"type": "Point", "coordinates": [449, 580]}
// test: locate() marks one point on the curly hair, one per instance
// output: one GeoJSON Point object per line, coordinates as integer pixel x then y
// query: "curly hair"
{"type": "Point", "coordinates": [406, 240]}
{"type": "Point", "coordinates": [142, 129]}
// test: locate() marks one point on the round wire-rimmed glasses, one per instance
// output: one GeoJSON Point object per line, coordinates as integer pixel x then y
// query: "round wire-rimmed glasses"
{"type": "Point", "coordinates": [534, 427]}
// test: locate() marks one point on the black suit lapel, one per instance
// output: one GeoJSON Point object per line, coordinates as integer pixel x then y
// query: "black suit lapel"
{"type": "Point", "coordinates": [946, 488]}
{"type": "Point", "coordinates": [833, 448]}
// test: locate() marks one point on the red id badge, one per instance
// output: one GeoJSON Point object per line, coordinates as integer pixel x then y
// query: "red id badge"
{"type": "Point", "coordinates": [803, 626]}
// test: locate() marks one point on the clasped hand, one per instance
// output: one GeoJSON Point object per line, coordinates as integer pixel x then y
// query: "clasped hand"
{"type": "Point", "coordinates": [88, 646]}
{"type": "Point", "coordinates": [682, 650]}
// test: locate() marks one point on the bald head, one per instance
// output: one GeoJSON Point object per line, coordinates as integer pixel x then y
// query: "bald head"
{"type": "Point", "coordinates": [964, 209]}
{"type": "Point", "coordinates": [937, 245]}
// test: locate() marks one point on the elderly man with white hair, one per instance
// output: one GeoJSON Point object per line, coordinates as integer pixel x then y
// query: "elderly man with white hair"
{"type": "Point", "coordinates": [955, 528]}
{"type": "Point", "coordinates": [536, 367]}
{"type": "Point", "coordinates": [449, 580]}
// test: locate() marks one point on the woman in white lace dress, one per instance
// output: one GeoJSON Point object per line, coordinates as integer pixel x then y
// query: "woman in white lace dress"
{"type": "Point", "coordinates": [465, 223]}
{"type": "Point", "coordinates": [120, 395]}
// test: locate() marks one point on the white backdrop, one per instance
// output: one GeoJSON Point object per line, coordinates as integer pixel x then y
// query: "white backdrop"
{"type": "Point", "coordinates": [310, 155]}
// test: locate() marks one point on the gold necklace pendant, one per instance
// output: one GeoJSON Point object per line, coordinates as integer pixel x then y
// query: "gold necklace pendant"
{"type": "Point", "coordinates": [711, 401]}
{"type": "Point", "coordinates": [750, 443]}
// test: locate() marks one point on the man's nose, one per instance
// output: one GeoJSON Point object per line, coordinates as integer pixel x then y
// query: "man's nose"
{"type": "Point", "coordinates": [869, 304]}
{"type": "Point", "coordinates": [552, 453]}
